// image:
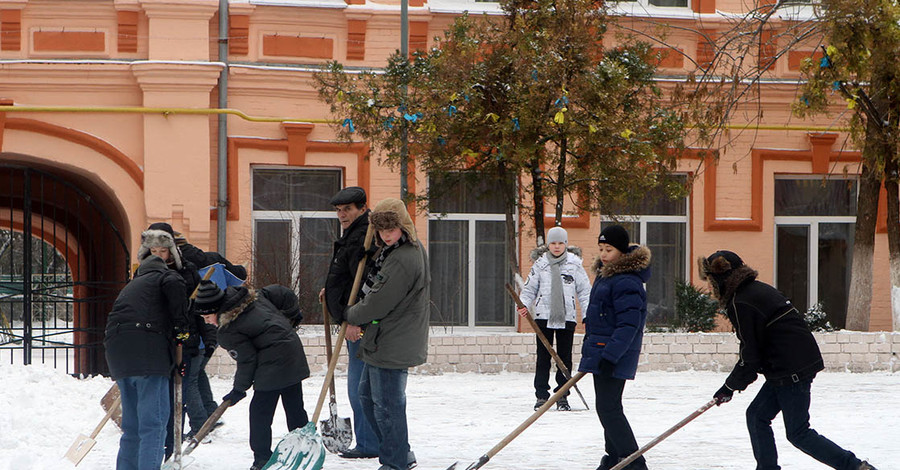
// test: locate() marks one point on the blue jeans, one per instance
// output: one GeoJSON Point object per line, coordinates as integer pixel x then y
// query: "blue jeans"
{"type": "Point", "coordinates": [191, 392]}
{"type": "Point", "coordinates": [366, 440]}
{"type": "Point", "coordinates": [792, 401]}
{"type": "Point", "coordinates": [145, 412]}
{"type": "Point", "coordinates": [383, 396]}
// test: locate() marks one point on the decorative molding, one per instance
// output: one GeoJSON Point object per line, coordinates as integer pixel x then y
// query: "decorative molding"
{"type": "Point", "coordinates": [239, 34]}
{"type": "Point", "coordinates": [298, 46]}
{"type": "Point", "coordinates": [68, 41]}
{"type": "Point", "coordinates": [418, 35]}
{"type": "Point", "coordinates": [767, 57]}
{"type": "Point", "coordinates": [81, 138]}
{"type": "Point", "coordinates": [356, 39]}
{"type": "Point", "coordinates": [176, 77]}
{"type": "Point", "coordinates": [127, 34]}
{"type": "Point", "coordinates": [703, 6]}
{"type": "Point", "coordinates": [10, 30]}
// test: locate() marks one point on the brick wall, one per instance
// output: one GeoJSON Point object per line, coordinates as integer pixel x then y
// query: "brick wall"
{"type": "Point", "coordinates": [514, 352]}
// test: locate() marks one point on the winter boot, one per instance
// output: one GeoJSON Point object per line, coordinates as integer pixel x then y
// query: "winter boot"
{"type": "Point", "coordinates": [606, 463]}
{"type": "Point", "coordinates": [563, 405]}
{"type": "Point", "coordinates": [539, 403]}
{"type": "Point", "coordinates": [866, 466]}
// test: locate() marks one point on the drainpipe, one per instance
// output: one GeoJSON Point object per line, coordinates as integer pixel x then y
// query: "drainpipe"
{"type": "Point", "coordinates": [222, 193]}
{"type": "Point", "coordinates": [404, 130]}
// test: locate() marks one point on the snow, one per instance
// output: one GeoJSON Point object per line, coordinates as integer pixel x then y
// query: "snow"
{"type": "Point", "coordinates": [459, 417]}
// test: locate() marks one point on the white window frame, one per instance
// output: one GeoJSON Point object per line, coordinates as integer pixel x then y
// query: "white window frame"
{"type": "Point", "coordinates": [643, 8]}
{"type": "Point", "coordinates": [812, 222]}
{"type": "Point", "coordinates": [292, 216]}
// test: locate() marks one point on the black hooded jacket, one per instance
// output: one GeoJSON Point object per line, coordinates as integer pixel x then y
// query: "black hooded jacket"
{"type": "Point", "coordinates": [140, 329]}
{"type": "Point", "coordinates": [774, 338]}
{"type": "Point", "coordinates": [344, 262]}
{"type": "Point", "coordinates": [256, 330]}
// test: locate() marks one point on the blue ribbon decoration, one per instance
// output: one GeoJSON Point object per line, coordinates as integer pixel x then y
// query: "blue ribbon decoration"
{"type": "Point", "coordinates": [562, 102]}
{"type": "Point", "coordinates": [348, 123]}
{"type": "Point", "coordinates": [451, 110]}
{"type": "Point", "coordinates": [515, 122]}
{"type": "Point", "coordinates": [388, 123]}
{"type": "Point", "coordinates": [836, 86]}
{"type": "Point", "coordinates": [824, 62]}
{"type": "Point", "coordinates": [412, 117]}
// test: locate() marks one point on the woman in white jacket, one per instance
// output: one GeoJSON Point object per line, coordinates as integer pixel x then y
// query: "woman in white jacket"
{"type": "Point", "coordinates": [556, 280]}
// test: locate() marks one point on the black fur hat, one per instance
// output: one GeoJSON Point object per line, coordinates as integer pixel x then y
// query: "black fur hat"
{"type": "Point", "coordinates": [719, 264]}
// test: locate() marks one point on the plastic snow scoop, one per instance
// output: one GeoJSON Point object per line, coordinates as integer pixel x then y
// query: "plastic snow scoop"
{"type": "Point", "coordinates": [303, 448]}
{"type": "Point", "coordinates": [337, 433]}
{"type": "Point", "coordinates": [528, 422]}
{"type": "Point", "coordinates": [549, 347]}
{"type": "Point", "coordinates": [83, 444]}
{"type": "Point", "coordinates": [634, 456]}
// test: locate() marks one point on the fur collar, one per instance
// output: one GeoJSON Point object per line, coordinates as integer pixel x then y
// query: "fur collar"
{"type": "Point", "coordinates": [540, 250]}
{"type": "Point", "coordinates": [232, 313]}
{"type": "Point", "coordinates": [731, 283]}
{"type": "Point", "coordinates": [637, 259]}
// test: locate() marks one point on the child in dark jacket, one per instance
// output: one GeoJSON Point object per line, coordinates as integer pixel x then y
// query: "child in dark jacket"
{"type": "Point", "coordinates": [775, 340]}
{"type": "Point", "coordinates": [614, 329]}
{"type": "Point", "coordinates": [257, 330]}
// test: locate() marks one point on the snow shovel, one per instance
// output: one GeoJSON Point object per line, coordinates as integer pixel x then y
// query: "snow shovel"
{"type": "Point", "coordinates": [661, 437]}
{"type": "Point", "coordinates": [303, 448]}
{"type": "Point", "coordinates": [528, 422]}
{"type": "Point", "coordinates": [109, 402]}
{"type": "Point", "coordinates": [208, 426]}
{"type": "Point", "coordinates": [83, 444]}
{"type": "Point", "coordinates": [337, 433]}
{"type": "Point", "coordinates": [559, 362]}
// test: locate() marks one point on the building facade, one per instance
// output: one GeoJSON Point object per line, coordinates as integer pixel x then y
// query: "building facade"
{"type": "Point", "coordinates": [108, 122]}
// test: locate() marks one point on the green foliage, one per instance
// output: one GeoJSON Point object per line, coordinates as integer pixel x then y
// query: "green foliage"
{"type": "Point", "coordinates": [532, 92]}
{"type": "Point", "coordinates": [694, 310]}
{"type": "Point", "coordinates": [816, 318]}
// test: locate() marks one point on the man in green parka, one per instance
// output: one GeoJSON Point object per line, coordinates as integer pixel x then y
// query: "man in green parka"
{"type": "Point", "coordinates": [393, 311]}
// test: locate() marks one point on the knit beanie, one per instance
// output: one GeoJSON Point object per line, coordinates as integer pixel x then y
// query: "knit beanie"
{"type": "Point", "coordinates": [209, 298]}
{"type": "Point", "coordinates": [557, 234]}
{"type": "Point", "coordinates": [615, 235]}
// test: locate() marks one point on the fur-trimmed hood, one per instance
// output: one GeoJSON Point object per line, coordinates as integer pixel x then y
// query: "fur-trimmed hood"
{"type": "Point", "coordinates": [237, 299]}
{"type": "Point", "coordinates": [724, 280]}
{"type": "Point", "coordinates": [391, 213]}
{"type": "Point", "coordinates": [540, 250]}
{"type": "Point", "coordinates": [151, 238]}
{"type": "Point", "coordinates": [636, 260]}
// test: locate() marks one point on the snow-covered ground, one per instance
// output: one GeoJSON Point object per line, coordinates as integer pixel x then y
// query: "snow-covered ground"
{"type": "Point", "coordinates": [459, 417]}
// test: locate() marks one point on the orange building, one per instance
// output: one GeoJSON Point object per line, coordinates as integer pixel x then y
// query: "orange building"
{"type": "Point", "coordinates": [109, 122]}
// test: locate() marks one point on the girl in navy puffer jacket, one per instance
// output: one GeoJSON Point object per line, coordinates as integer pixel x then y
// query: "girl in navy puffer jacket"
{"type": "Point", "coordinates": [614, 328]}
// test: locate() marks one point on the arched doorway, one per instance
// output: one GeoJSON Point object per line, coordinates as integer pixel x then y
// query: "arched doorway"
{"type": "Point", "coordinates": [63, 260]}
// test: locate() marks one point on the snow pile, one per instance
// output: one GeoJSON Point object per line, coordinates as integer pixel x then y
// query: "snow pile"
{"type": "Point", "coordinates": [459, 417]}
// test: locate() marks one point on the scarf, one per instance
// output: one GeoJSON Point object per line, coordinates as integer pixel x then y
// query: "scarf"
{"type": "Point", "coordinates": [557, 319]}
{"type": "Point", "coordinates": [376, 266]}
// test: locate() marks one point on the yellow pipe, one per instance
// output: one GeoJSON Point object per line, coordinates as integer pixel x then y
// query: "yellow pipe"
{"type": "Point", "coordinates": [246, 117]}
{"type": "Point", "coordinates": [145, 110]}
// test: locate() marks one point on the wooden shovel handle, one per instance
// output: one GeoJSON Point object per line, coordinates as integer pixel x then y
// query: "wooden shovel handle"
{"type": "Point", "coordinates": [370, 232]}
{"type": "Point", "coordinates": [112, 409]}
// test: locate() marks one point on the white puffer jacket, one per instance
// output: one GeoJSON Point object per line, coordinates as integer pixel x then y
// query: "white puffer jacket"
{"type": "Point", "coordinates": [576, 283]}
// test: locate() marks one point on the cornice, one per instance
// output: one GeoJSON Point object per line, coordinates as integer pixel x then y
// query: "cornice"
{"type": "Point", "coordinates": [176, 76]}
{"type": "Point", "coordinates": [180, 9]}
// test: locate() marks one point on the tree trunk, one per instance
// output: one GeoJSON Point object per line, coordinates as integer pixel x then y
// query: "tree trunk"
{"type": "Point", "coordinates": [537, 183]}
{"type": "Point", "coordinates": [561, 180]}
{"type": "Point", "coordinates": [893, 224]}
{"type": "Point", "coordinates": [860, 299]}
{"type": "Point", "coordinates": [509, 192]}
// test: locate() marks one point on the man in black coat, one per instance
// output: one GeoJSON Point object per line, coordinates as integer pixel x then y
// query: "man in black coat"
{"type": "Point", "coordinates": [257, 330]}
{"type": "Point", "coordinates": [140, 333]}
{"type": "Point", "coordinates": [775, 340]}
{"type": "Point", "coordinates": [350, 205]}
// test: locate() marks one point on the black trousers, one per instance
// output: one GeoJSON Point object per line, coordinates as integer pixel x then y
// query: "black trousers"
{"type": "Point", "coordinates": [262, 411]}
{"type": "Point", "coordinates": [542, 367]}
{"type": "Point", "coordinates": [617, 433]}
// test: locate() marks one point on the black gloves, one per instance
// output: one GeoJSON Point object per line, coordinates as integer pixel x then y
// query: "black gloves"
{"type": "Point", "coordinates": [234, 396]}
{"type": "Point", "coordinates": [606, 368]}
{"type": "Point", "coordinates": [208, 352]}
{"type": "Point", "coordinates": [182, 369]}
{"type": "Point", "coordinates": [363, 253]}
{"type": "Point", "coordinates": [723, 395]}
{"type": "Point", "coordinates": [181, 335]}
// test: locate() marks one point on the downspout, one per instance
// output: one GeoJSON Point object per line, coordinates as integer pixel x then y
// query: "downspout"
{"type": "Point", "coordinates": [222, 186]}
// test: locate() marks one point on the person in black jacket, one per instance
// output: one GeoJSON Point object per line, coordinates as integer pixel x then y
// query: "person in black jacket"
{"type": "Point", "coordinates": [140, 343]}
{"type": "Point", "coordinates": [350, 205]}
{"type": "Point", "coordinates": [257, 330]}
{"type": "Point", "coordinates": [774, 340]}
